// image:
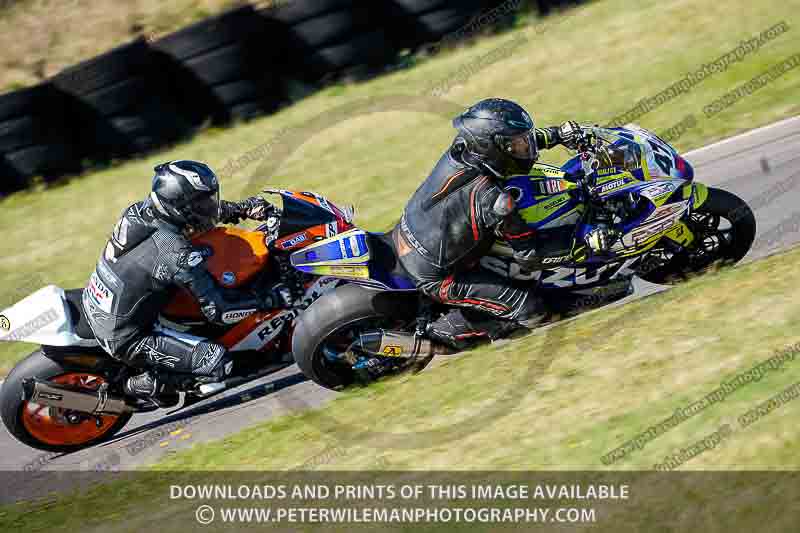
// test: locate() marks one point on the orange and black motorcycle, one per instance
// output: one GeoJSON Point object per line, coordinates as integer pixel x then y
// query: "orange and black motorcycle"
{"type": "Point", "coordinates": [68, 394]}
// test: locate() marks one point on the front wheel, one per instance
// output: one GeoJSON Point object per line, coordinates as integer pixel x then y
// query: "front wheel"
{"type": "Point", "coordinates": [724, 228]}
{"type": "Point", "coordinates": [50, 428]}
{"type": "Point", "coordinates": [333, 322]}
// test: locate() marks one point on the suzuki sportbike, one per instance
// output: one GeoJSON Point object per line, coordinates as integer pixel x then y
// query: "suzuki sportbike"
{"type": "Point", "coordinates": [665, 228]}
{"type": "Point", "coordinates": [68, 394]}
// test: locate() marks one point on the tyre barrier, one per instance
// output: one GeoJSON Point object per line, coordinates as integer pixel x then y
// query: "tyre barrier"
{"type": "Point", "coordinates": [145, 95]}
{"type": "Point", "coordinates": [418, 22]}
{"type": "Point", "coordinates": [36, 137]}
{"type": "Point", "coordinates": [226, 64]}
{"type": "Point", "coordinates": [322, 40]}
{"type": "Point", "coordinates": [122, 107]}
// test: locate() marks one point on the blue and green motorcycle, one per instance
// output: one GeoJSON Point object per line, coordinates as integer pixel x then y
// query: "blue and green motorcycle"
{"type": "Point", "coordinates": [667, 227]}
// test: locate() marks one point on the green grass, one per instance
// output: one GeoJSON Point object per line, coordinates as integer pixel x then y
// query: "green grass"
{"type": "Point", "coordinates": [589, 64]}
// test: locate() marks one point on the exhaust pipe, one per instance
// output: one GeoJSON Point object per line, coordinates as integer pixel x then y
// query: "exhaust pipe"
{"type": "Point", "coordinates": [65, 397]}
{"type": "Point", "coordinates": [397, 344]}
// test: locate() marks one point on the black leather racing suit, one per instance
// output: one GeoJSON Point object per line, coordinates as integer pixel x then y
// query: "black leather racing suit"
{"type": "Point", "coordinates": [451, 221]}
{"type": "Point", "coordinates": [144, 259]}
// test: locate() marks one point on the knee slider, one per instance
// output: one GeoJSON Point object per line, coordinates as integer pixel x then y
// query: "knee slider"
{"type": "Point", "coordinates": [206, 357]}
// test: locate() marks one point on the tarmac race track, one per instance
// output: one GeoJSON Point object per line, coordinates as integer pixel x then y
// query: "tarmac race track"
{"type": "Point", "coordinates": [761, 166]}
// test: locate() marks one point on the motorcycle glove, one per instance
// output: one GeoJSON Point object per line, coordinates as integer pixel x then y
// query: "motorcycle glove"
{"type": "Point", "coordinates": [253, 208]}
{"type": "Point", "coordinates": [600, 239]}
{"type": "Point", "coordinates": [279, 296]}
{"type": "Point", "coordinates": [570, 132]}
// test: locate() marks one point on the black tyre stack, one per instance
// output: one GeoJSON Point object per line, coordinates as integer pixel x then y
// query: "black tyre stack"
{"type": "Point", "coordinates": [419, 22]}
{"type": "Point", "coordinates": [124, 107]}
{"type": "Point", "coordinates": [226, 64]}
{"type": "Point", "coordinates": [36, 137]}
{"type": "Point", "coordinates": [327, 38]}
{"type": "Point", "coordinates": [235, 66]}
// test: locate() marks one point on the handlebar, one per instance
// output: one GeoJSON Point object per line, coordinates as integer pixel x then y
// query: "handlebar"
{"type": "Point", "coordinates": [585, 144]}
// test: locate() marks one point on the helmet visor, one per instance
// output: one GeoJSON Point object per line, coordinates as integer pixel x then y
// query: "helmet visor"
{"type": "Point", "coordinates": [521, 146]}
{"type": "Point", "coordinates": [206, 210]}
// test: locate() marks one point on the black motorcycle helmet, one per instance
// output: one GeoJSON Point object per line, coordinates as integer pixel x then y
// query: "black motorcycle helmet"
{"type": "Point", "coordinates": [186, 194]}
{"type": "Point", "coordinates": [501, 134]}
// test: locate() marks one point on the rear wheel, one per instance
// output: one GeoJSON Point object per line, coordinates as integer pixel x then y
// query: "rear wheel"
{"type": "Point", "coordinates": [724, 228]}
{"type": "Point", "coordinates": [50, 428]}
{"type": "Point", "coordinates": [332, 324]}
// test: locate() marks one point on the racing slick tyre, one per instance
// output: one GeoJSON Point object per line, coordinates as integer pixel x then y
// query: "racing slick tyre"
{"type": "Point", "coordinates": [43, 427]}
{"type": "Point", "coordinates": [333, 322]}
{"type": "Point", "coordinates": [724, 228]}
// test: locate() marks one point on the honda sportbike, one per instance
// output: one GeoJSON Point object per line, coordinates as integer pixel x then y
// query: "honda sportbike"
{"type": "Point", "coordinates": [664, 227]}
{"type": "Point", "coordinates": [68, 394]}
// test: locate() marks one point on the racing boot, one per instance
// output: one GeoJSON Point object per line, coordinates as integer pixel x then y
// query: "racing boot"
{"type": "Point", "coordinates": [149, 388]}
{"type": "Point", "coordinates": [461, 329]}
{"type": "Point", "coordinates": [176, 363]}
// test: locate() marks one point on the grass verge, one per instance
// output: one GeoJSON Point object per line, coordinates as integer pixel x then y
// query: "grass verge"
{"type": "Point", "coordinates": [588, 386]}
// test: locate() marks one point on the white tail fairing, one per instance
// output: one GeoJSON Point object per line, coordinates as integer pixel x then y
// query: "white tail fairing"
{"type": "Point", "coordinates": [41, 318]}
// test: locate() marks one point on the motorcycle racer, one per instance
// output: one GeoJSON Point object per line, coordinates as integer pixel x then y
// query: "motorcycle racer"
{"type": "Point", "coordinates": [456, 214]}
{"type": "Point", "coordinates": [147, 256]}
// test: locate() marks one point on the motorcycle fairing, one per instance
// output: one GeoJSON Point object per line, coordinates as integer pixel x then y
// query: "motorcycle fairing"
{"type": "Point", "coordinates": [349, 256]}
{"type": "Point", "coordinates": [634, 162]}
{"type": "Point", "coordinates": [345, 255]}
{"type": "Point", "coordinates": [641, 152]}
{"type": "Point", "coordinates": [698, 193]}
{"type": "Point", "coordinates": [302, 210]}
{"type": "Point", "coordinates": [584, 275]}
{"type": "Point", "coordinates": [261, 330]}
{"type": "Point", "coordinates": [385, 268]}
{"type": "Point", "coordinates": [42, 318]}
{"type": "Point", "coordinates": [235, 257]}
{"type": "Point", "coordinates": [540, 211]}
{"type": "Point", "coordinates": [294, 241]}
